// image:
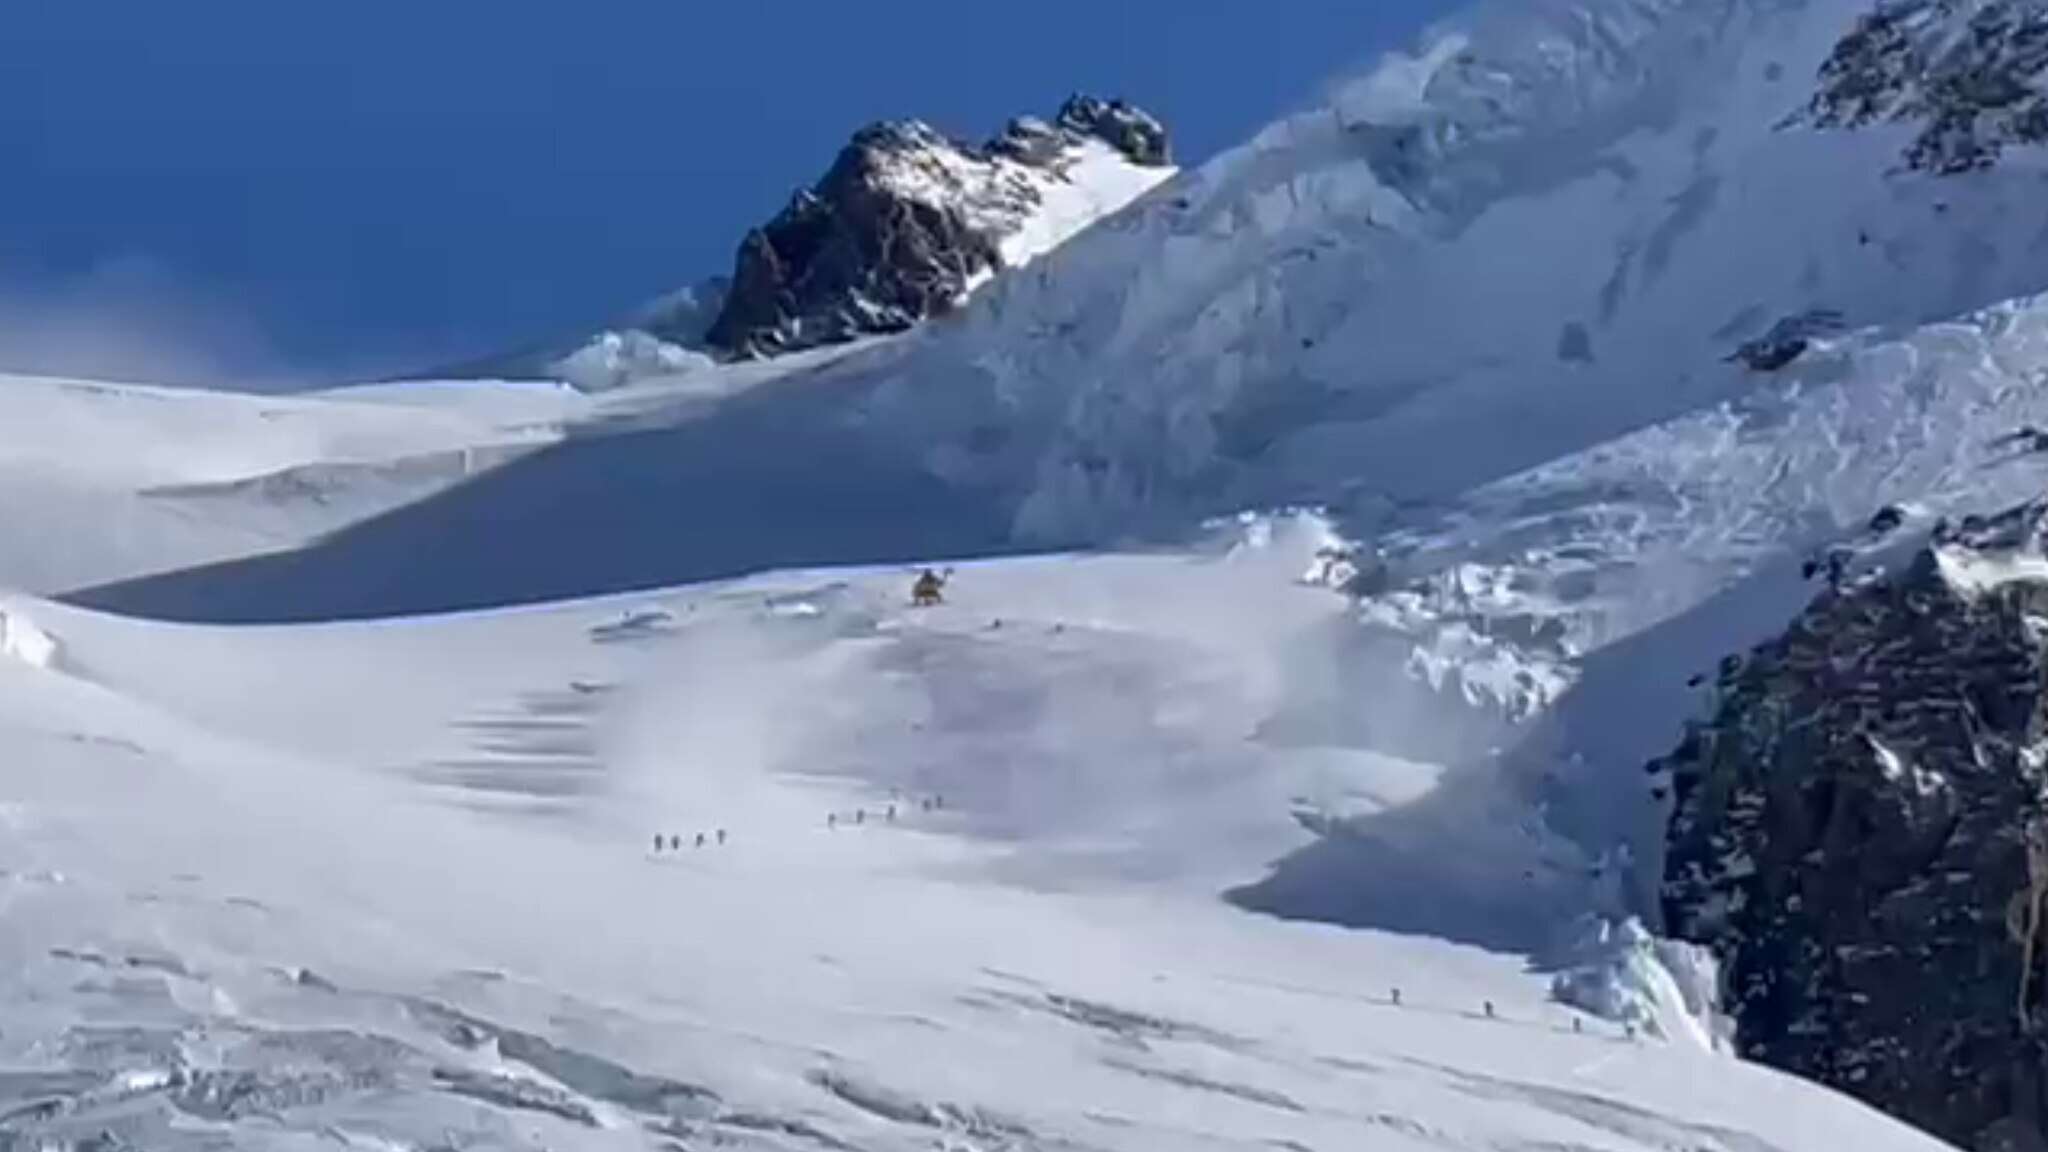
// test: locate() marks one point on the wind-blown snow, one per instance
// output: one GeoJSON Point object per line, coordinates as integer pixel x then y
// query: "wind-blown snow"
{"type": "Point", "coordinates": [613, 360]}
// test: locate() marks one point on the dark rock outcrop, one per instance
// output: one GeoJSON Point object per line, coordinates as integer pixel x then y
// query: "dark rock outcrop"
{"type": "Point", "coordinates": [1787, 340]}
{"type": "Point", "coordinates": [1860, 832]}
{"type": "Point", "coordinates": [854, 255]}
{"type": "Point", "coordinates": [1968, 72]}
{"type": "Point", "coordinates": [1128, 129]}
{"type": "Point", "coordinates": [904, 223]}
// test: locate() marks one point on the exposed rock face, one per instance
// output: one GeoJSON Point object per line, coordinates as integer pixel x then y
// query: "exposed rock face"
{"type": "Point", "coordinates": [1967, 72]}
{"type": "Point", "coordinates": [1129, 130]}
{"type": "Point", "coordinates": [1861, 834]}
{"type": "Point", "coordinates": [906, 222]}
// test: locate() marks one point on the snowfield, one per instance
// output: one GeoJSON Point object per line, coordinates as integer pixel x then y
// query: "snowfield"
{"type": "Point", "coordinates": [263, 892]}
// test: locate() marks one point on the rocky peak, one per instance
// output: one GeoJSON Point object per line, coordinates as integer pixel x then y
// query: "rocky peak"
{"type": "Point", "coordinates": [1968, 73]}
{"type": "Point", "coordinates": [907, 222]}
{"type": "Point", "coordinates": [1860, 832]}
{"type": "Point", "coordinates": [1130, 130]}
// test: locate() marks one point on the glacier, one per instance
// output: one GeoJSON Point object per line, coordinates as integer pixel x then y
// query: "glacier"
{"type": "Point", "coordinates": [1335, 532]}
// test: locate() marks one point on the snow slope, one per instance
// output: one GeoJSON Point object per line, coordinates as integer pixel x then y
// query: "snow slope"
{"type": "Point", "coordinates": [100, 481]}
{"type": "Point", "coordinates": [263, 893]}
{"type": "Point", "coordinates": [1091, 182]}
{"type": "Point", "coordinates": [1548, 226]}
{"type": "Point", "coordinates": [105, 482]}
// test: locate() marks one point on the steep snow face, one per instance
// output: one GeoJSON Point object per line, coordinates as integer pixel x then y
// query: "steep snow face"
{"type": "Point", "coordinates": [1552, 224]}
{"type": "Point", "coordinates": [1859, 447]}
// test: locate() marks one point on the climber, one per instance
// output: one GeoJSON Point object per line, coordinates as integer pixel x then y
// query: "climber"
{"type": "Point", "coordinates": [700, 839]}
{"type": "Point", "coordinates": [929, 591]}
{"type": "Point", "coordinates": [721, 835]}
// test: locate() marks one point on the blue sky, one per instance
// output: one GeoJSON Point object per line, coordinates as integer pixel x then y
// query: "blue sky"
{"type": "Point", "coordinates": [270, 191]}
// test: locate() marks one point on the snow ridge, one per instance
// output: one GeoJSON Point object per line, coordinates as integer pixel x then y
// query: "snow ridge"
{"type": "Point", "coordinates": [907, 223]}
{"type": "Point", "coordinates": [1550, 225]}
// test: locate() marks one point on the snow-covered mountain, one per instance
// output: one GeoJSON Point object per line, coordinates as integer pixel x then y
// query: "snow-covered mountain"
{"type": "Point", "coordinates": [1551, 224]}
{"type": "Point", "coordinates": [905, 225]}
{"type": "Point", "coordinates": [1600, 335]}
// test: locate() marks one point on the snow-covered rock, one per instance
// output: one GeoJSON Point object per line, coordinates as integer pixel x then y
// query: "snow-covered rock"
{"type": "Point", "coordinates": [1620, 971]}
{"type": "Point", "coordinates": [908, 222]}
{"type": "Point", "coordinates": [1967, 74]}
